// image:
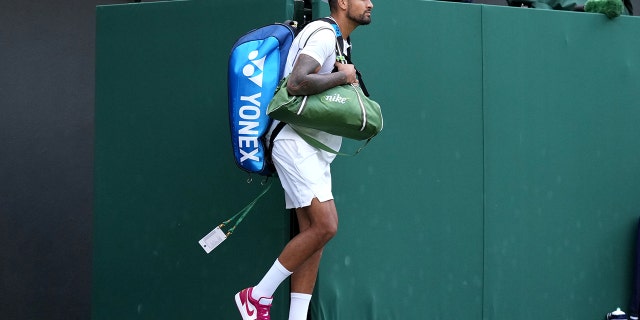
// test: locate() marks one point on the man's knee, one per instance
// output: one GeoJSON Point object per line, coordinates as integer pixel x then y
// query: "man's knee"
{"type": "Point", "coordinates": [330, 230]}
{"type": "Point", "coordinates": [325, 229]}
{"type": "Point", "coordinates": [329, 227]}
{"type": "Point", "coordinates": [324, 219]}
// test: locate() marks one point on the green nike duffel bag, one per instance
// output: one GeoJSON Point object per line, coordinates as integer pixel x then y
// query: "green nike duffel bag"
{"type": "Point", "coordinates": [343, 111]}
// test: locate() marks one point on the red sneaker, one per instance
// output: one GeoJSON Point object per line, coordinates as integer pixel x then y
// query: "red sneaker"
{"type": "Point", "coordinates": [252, 309]}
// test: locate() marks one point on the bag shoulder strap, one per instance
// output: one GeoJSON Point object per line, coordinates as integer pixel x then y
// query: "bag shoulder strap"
{"type": "Point", "coordinates": [274, 133]}
{"type": "Point", "coordinates": [340, 54]}
{"type": "Point", "coordinates": [316, 143]}
{"type": "Point", "coordinates": [339, 40]}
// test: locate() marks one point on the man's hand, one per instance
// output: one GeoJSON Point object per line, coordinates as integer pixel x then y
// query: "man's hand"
{"type": "Point", "coordinates": [349, 71]}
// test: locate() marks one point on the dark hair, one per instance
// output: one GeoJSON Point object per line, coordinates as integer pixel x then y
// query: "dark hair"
{"type": "Point", "coordinates": [332, 4]}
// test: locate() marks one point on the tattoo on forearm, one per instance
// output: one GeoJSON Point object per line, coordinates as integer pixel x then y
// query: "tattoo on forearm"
{"type": "Point", "coordinates": [305, 81]}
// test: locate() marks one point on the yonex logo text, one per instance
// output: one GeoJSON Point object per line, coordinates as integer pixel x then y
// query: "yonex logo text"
{"type": "Point", "coordinates": [250, 112]}
{"type": "Point", "coordinates": [247, 135]}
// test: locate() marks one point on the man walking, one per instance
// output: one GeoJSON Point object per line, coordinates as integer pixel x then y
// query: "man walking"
{"type": "Point", "coordinates": [304, 171]}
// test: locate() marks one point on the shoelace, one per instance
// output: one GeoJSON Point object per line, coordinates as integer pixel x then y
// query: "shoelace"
{"type": "Point", "coordinates": [263, 311]}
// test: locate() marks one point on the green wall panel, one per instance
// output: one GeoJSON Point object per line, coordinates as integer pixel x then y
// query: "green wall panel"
{"type": "Point", "coordinates": [164, 168]}
{"type": "Point", "coordinates": [504, 184]}
{"type": "Point", "coordinates": [410, 205]}
{"type": "Point", "coordinates": [561, 144]}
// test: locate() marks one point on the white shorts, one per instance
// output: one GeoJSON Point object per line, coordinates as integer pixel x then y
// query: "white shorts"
{"type": "Point", "coordinates": [304, 172]}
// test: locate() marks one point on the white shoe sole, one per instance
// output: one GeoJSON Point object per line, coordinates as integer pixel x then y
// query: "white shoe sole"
{"type": "Point", "coordinates": [241, 308]}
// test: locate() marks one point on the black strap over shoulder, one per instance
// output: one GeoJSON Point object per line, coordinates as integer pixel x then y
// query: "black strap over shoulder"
{"type": "Point", "coordinates": [340, 51]}
{"type": "Point", "coordinates": [274, 133]}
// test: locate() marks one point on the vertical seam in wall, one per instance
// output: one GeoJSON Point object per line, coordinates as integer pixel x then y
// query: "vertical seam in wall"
{"type": "Point", "coordinates": [484, 169]}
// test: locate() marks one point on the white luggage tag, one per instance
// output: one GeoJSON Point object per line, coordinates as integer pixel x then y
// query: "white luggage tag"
{"type": "Point", "coordinates": [212, 239]}
{"type": "Point", "coordinates": [217, 236]}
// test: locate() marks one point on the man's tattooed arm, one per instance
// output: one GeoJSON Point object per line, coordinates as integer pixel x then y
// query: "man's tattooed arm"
{"type": "Point", "coordinates": [304, 79]}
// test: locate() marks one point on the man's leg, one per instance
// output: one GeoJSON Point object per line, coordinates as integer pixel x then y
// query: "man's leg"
{"type": "Point", "coordinates": [301, 255]}
{"type": "Point", "coordinates": [304, 278]}
{"type": "Point", "coordinates": [318, 224]}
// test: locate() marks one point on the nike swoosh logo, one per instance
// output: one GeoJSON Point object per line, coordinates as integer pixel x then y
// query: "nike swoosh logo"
{"type": "Point", "coordinates": [250, 312]}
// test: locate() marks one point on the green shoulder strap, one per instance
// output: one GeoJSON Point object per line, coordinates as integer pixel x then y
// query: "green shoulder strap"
{"type": "Point", "coordinates": [315, 143]}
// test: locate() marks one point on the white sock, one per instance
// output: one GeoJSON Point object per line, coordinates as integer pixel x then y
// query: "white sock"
{"type": "Point", "coordinates": [299, 306]}
{"type": "Point", "coordinates": [271, 281]}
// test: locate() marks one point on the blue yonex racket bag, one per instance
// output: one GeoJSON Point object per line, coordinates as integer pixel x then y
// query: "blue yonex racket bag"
{"type": "Point", "coordinates": [256, 65]}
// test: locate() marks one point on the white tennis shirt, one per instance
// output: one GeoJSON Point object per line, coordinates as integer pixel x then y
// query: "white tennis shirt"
{"type": "Point", "coordinates": [317, 40]}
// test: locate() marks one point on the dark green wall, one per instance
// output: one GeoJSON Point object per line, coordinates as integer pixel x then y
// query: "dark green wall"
{"type": "Point", "coordinates": [410, 205]}
{"type": "Point", "coordinates": [164, 172]}
{"type": "Point", "coordinates": [562, 169]}
{"type": "Point", "coordinates": [503, 186]}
